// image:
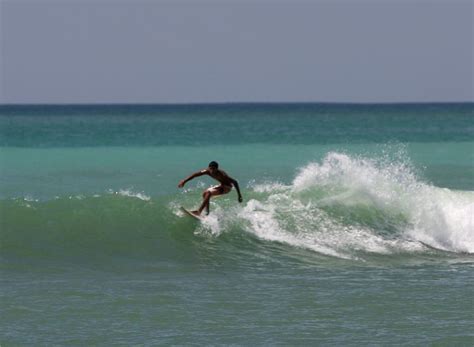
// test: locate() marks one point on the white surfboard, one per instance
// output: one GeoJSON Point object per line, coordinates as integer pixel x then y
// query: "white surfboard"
{"type": "Point", "coordinates": [189, 213]}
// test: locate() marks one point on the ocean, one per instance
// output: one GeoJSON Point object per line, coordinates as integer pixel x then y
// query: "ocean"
{"type": "Point", "coordinates": [356, 226]}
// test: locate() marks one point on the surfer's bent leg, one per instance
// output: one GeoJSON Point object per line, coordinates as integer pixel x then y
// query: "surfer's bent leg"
{"type": "Point", "coordinates": [213, 191]}
{"type": "Point", "coordinates": [205, 203]}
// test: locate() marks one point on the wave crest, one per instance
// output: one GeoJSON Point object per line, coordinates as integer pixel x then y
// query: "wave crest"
{"type": "Point", "coordinates": [346, 204]}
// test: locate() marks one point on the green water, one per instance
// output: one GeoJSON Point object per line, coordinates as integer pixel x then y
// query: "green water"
{"type": "Point", "coordinates": [355, 229]}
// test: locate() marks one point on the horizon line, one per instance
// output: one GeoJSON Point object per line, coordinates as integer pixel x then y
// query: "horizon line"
{"type": "Point", "coordinates": [237, 103]}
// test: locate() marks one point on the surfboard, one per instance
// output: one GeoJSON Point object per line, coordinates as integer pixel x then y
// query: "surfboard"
{"type": "Point", "coordinates": [189, 213]}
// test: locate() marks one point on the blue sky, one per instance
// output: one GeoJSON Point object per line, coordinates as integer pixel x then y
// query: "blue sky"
{"type": "Point", "coordinates": [138, 51]}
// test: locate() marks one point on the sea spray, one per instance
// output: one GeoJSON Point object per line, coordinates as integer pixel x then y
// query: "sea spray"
{"type": "Point", "coordinates": [347, 204]}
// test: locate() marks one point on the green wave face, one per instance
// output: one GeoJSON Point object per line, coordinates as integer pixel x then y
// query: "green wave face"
{"type": "Point", "coordinates": [344, 207]}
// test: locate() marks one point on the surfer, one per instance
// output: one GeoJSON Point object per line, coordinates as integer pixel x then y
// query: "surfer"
{"type": "Point", "coordinates": [225, 186]}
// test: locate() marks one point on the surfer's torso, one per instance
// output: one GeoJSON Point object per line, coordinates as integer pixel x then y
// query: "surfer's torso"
{"type": "Point", "coordinates": [220, 176]}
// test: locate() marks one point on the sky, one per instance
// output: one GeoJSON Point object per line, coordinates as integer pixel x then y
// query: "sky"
{"type": "Point", "coordinates": [136, 51]}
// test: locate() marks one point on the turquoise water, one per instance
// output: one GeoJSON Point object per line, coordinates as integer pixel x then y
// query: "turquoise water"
{"type": "Point", "coordinates": [356, 226]}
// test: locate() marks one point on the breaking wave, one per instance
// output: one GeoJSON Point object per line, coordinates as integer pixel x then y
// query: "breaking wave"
{"type": "Point", "coordinates": [344, 206]}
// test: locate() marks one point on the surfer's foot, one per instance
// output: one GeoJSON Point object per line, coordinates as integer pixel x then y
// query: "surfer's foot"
{"type": "Point", "coordinates": [196, 213]}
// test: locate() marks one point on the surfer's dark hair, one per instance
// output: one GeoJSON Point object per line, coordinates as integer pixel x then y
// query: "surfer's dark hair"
{"type": "Point", "coordinates": [214, 164]}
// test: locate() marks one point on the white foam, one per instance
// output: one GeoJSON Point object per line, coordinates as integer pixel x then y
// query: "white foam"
{"type": "Point", "coordinates": [132, 194]}
{"type": "Point", "coordinates": [29, 198]}
{"type": "Point", "coordinates": [292, 214]}
{"type": "Point", "coordinates": [211, 224]}
{"type": "Point", "coordinates": [270, 187]}
{"type": "Point", "coordinates": [444, 219]}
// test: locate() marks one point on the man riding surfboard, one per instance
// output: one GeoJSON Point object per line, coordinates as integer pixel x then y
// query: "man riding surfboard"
{"type": "Point", "coordinates": [225, 186]}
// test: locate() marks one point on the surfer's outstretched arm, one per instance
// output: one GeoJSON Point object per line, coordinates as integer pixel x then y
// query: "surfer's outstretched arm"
{"type": "Point", "coordinates": [194, 175]}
